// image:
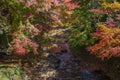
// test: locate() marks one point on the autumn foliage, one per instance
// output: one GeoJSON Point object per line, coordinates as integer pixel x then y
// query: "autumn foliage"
{"type": "Point", "coordinates": [109, 42]}
{"type": "Point", "coordinates": [27, 21]}
{"type": "Point", "coordinates": [96, 28]}
{"type": "Point", "coordinates": [108, 33]}
{"type": "Point", "coordinates": [94, 25]}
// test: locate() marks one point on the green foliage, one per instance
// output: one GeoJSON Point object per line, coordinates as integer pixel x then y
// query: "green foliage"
{"type": "Point", "coordinates": [10, 72]}
{"type": "Point", "coordinates": [81, 37]}
{"type": "Point", "coordinates": [85, 24]}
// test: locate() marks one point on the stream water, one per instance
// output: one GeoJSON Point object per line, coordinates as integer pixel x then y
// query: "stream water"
{"type": "Point", "coordinates": [65, 66]}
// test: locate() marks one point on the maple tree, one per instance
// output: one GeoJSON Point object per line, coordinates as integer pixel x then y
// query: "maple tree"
{"type": "Point", "coordinates": [97, 28]}
{"type": "Point", "coordinates": [109, 44]}
{"type": "Point", "coordinates": [28, 20]}
{"type": "Point", "coordinates": [108, 32]}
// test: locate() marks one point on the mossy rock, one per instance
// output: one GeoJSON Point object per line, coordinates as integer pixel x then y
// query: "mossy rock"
{"type": "Point", "coordinates": [11, 72]}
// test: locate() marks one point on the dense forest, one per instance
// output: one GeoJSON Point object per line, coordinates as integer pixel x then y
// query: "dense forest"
{"type": "Point", "coordinates": [56, 39]}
